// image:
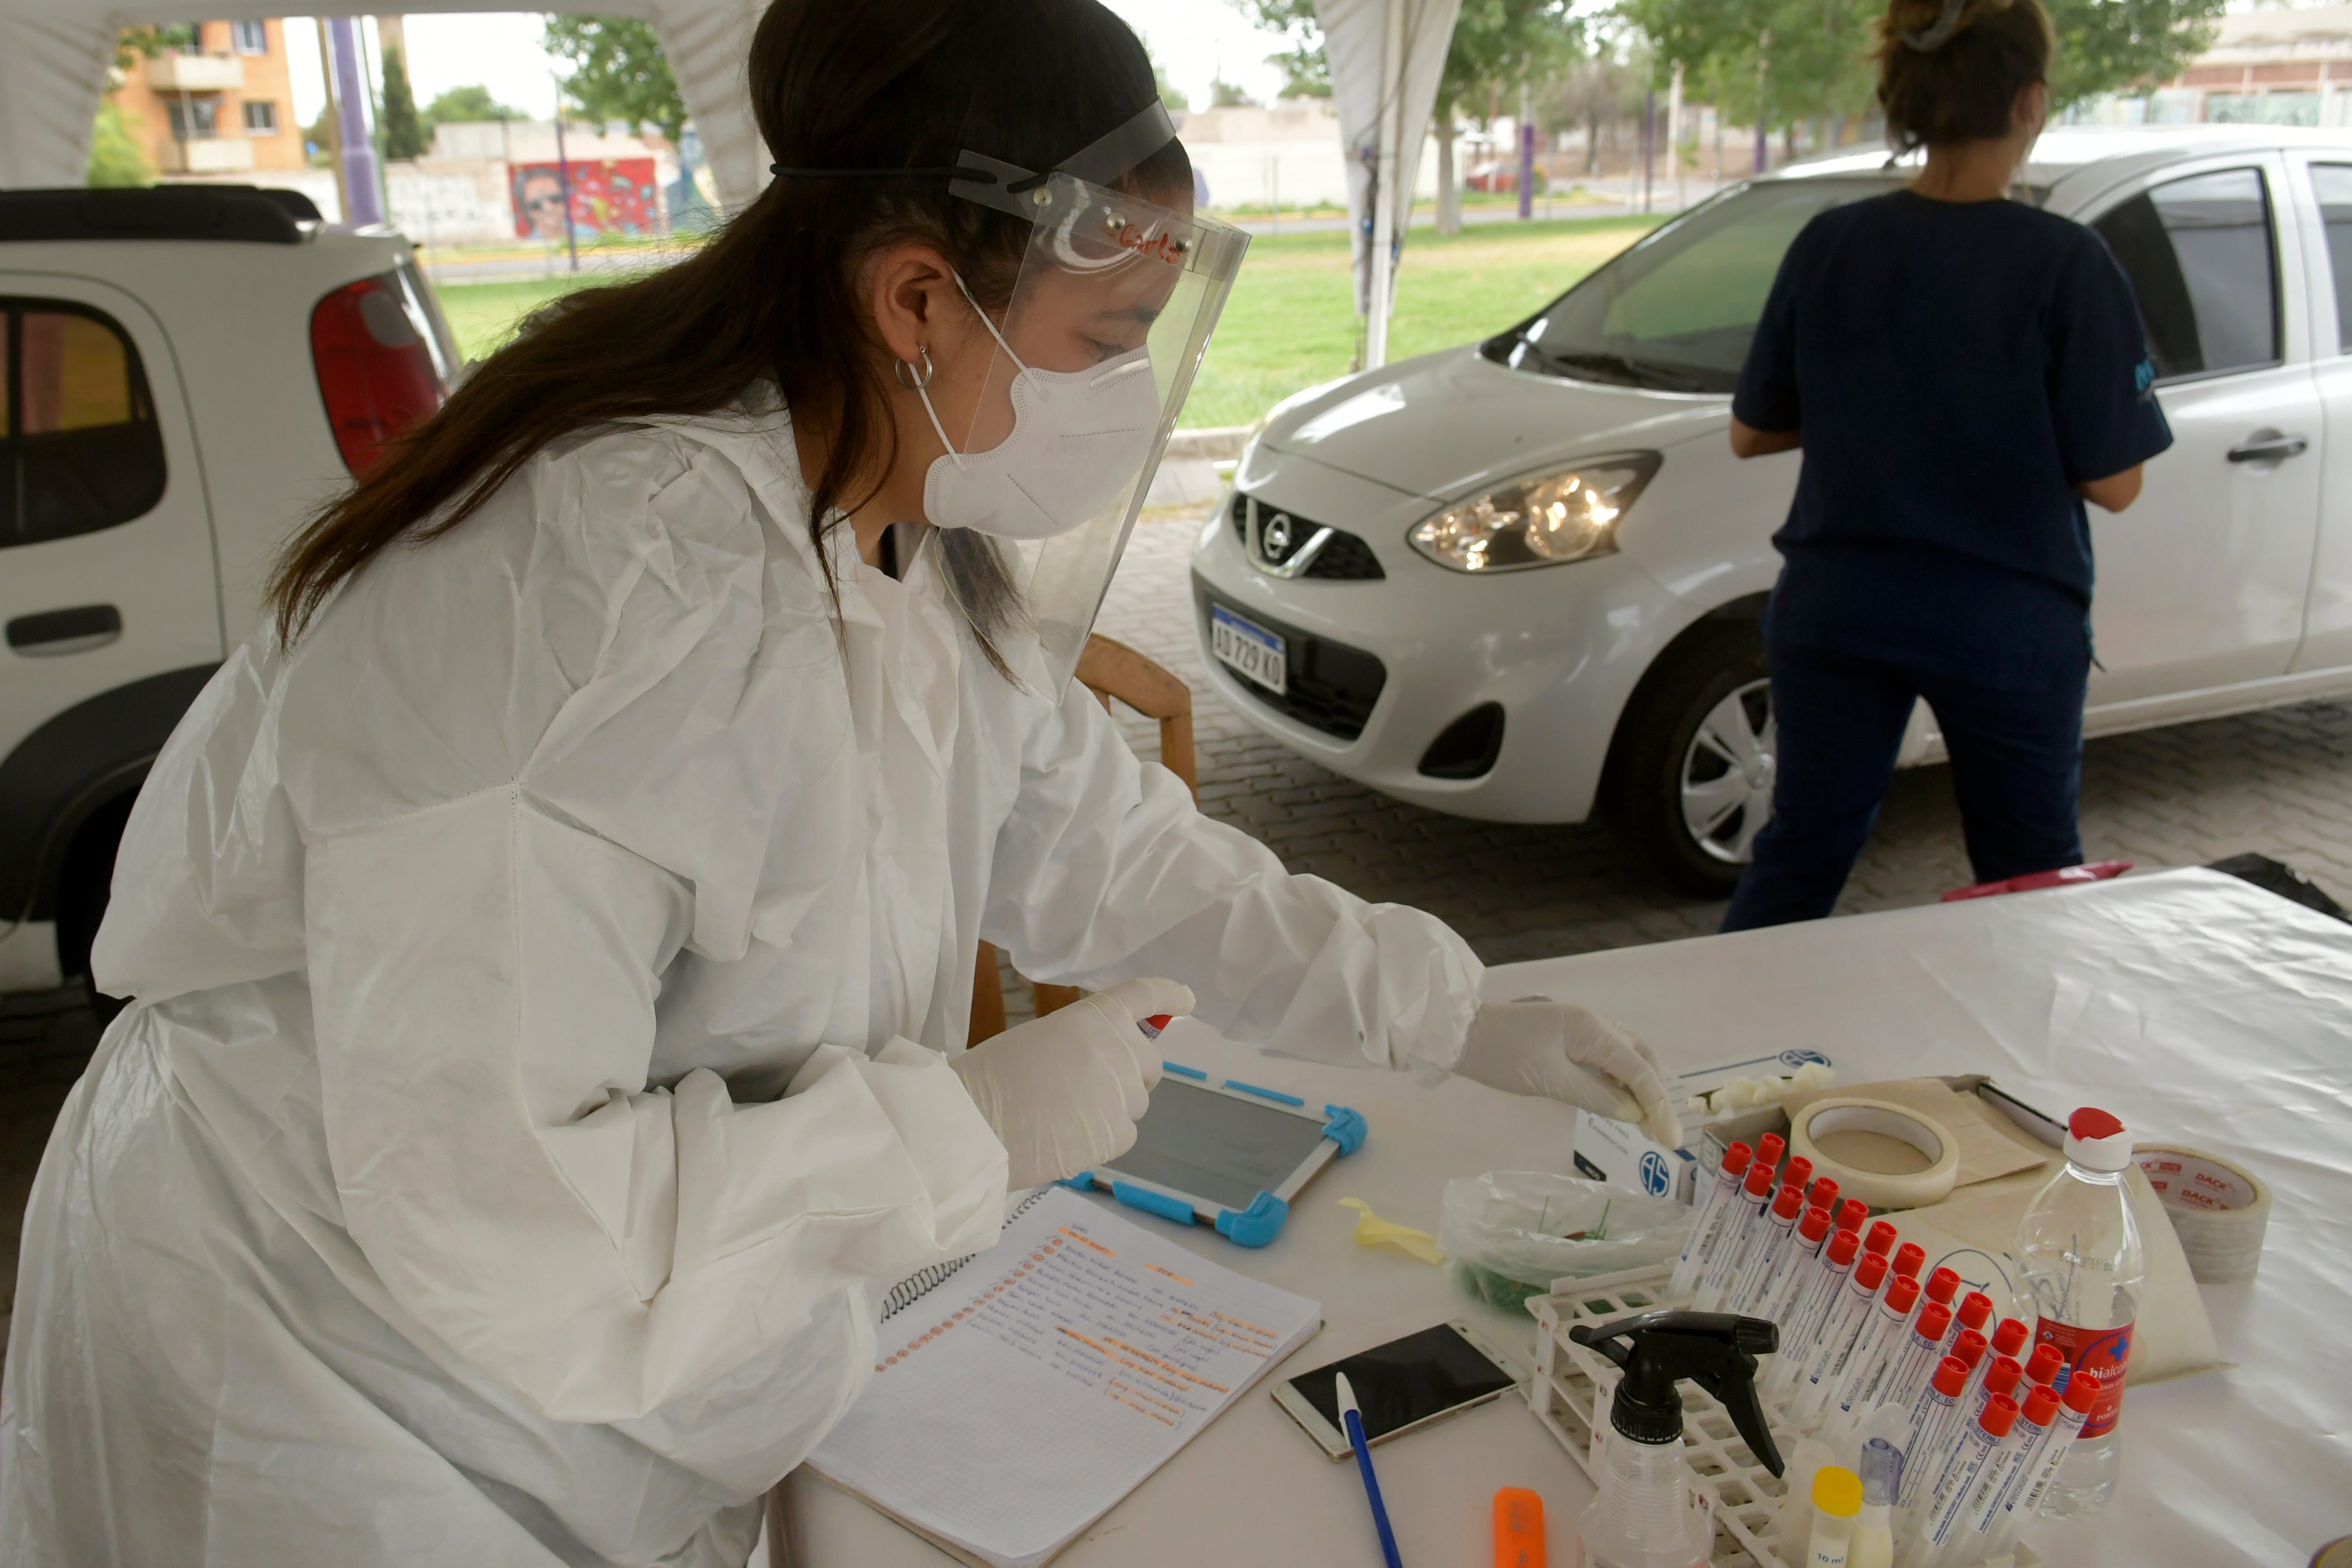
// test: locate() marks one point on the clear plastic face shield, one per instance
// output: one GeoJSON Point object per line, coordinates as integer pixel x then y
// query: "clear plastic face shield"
{"type": "Point", "coordinates": [1093, 356]}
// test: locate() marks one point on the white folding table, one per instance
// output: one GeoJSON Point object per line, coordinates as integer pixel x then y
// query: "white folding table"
{"type": "Point", "coordinates": [2198, 1009]}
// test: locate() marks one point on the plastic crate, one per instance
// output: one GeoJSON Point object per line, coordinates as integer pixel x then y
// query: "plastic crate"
{"type": "Point", "coordinates": [1744, 1497]}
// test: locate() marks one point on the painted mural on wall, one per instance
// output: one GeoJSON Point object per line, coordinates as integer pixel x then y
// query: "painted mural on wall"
{"type": "Point", "coordinates": [609, 196]}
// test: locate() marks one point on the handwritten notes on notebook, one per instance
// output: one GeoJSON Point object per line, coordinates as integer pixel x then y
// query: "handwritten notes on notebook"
{"type": "Point", "coordinates": [1040, 1384]}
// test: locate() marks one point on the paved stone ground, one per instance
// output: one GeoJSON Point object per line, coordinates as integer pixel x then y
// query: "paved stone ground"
{"type": "Point", "coordinates": [2279, 783]}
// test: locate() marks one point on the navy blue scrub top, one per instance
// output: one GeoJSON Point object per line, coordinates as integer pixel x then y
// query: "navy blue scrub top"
{"type": "Point", "coordinates": [1957, 368]}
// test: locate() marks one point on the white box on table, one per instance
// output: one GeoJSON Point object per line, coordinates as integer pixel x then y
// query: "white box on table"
{"type": "Point", "coordinates": [1617, 1153]}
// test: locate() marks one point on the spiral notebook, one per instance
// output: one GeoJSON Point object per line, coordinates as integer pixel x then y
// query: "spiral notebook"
{"type": "Point", "coordinates": [1024, 1391]}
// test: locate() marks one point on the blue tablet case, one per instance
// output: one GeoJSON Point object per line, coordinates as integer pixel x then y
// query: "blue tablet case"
{"type": "Point", "coordinates": [1228, 1155]}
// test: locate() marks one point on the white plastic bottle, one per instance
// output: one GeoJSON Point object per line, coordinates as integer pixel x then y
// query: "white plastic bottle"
{"type": "Point", "coordinates": [1837, 1498]}
{"type": "Point", "coordinates": [2085, 1265]}
{"type": "Point", "coordinates": [1874, 1527]}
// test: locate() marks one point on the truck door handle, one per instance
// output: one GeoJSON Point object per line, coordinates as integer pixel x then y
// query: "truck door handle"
{"type": "Point", "coordinates": [2269, 446]}
{"type": "Point", "coordinates": [74, 630]}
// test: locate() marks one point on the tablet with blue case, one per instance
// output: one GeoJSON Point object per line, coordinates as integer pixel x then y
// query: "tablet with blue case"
{"type": "Point", "coordinates": [1227, 1155]}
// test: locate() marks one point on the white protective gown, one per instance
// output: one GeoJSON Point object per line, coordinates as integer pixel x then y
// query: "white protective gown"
{"type": "Point", "coordinates": [535, 1076]}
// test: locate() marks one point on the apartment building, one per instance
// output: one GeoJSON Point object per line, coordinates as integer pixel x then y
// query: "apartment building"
{"type": "Point", "coordinates": [224, 108]}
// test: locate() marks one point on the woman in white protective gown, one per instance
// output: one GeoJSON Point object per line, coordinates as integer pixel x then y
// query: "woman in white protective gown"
{"type": "Point", "coordinates": [549, 942]}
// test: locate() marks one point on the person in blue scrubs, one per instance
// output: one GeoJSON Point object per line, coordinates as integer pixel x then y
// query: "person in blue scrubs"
{"type": "Point", "coordinates": [1962, 372]}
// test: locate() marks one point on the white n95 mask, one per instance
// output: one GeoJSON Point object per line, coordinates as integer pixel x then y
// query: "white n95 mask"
{"type": "Point", "coordinates": [1077, 438]}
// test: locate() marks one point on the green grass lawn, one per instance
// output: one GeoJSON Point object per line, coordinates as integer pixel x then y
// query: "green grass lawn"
{"type": "Point", "coordinates": [1291, 321]}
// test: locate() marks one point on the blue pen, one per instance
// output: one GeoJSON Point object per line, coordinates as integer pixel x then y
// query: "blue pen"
{"type": "Point", "coordinates": [1353, 1419]}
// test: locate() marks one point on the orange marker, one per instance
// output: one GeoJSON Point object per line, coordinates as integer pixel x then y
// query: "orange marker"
{"type": "Point", "coordinates": [1518, 1529]}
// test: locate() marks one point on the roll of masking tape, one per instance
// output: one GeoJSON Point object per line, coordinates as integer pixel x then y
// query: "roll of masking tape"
{"type": "Point", "coordinates": [1887, 1155]}
{"type": "Point", "coordinates": [2219, 1210]}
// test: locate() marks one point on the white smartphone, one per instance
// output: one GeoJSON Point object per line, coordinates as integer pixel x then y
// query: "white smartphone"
{"type": "Point", "coordinates": [1400, 1385]}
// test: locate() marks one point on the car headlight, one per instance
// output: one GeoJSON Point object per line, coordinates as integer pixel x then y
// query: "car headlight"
{"type": "Point", "coordinates": [1543, 519]}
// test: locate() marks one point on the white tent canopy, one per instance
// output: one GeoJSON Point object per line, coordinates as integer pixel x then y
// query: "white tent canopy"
{"type": "Point", "coordinates": [1385, 58]}
{"type": "Point", "coordinates": [54, 55]}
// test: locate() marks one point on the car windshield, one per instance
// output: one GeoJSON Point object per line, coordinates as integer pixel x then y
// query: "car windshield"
{"type": "Point", "coordinates": [1675, 311]}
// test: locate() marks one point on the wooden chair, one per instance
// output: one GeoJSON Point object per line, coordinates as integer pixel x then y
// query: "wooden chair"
{"type": "Point", "coordinates": [1110, 669]}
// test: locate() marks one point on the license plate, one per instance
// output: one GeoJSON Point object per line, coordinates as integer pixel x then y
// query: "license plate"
{"type": "Point", "coordinates": [1249, 650]}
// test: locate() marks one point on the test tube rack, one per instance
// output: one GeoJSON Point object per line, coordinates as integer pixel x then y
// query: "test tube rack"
{"type": "Point", "coordinates": [1743, 1496]}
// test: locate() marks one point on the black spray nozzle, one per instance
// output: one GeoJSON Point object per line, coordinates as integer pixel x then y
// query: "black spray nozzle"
{"type": "Point", "coordinates": [1717, 1351]}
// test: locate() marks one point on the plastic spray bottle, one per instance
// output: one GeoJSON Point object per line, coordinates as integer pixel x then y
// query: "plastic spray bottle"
{"type": "Point", "coordinates": [2085, 1265]}
{"type": "Point", "coordinates": [1707, 1225]}
{"type": "Point", "coordinates": [1645, 1516]}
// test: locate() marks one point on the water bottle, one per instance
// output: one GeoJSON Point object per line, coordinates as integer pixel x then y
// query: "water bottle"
{"type": "Point", "coordinates": [2085, 1265]}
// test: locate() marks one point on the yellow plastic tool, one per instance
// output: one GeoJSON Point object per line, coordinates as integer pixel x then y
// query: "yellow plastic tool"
{"type": "Point", "coordinates": [1371, 1230]}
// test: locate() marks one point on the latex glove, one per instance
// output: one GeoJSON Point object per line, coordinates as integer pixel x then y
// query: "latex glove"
{"type": "Point", "coordinates": [1064, 1092]}
{"type": "Point", "coordinates": [1563, 1052]}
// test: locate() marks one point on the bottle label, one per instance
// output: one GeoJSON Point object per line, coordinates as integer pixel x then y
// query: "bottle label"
{"type": "Point", "coordinates": [2103, 1355]}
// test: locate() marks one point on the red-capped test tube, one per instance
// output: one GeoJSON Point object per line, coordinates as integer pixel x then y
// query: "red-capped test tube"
{"type": "Point", "coordinates": [1768, 1251]}
{"type": "Point", "coordinates": [1920, 1356]}
{"type": "Point", "coordinates": [1839, 1332]}
{"type": "Point", "coordinates": [2033, 1479]}
{"type": "Point", "coordinates": [1815, 1299]}
{"type": "Point", "coordinates": [1934, 1425]}
{"type": "Point", "coordinates": [1730, 1255]}
{"type": "Point", "coordinates": [1979, 1443]}
{"type": "Point", "coordinates": [1781, 1298]}
{"type": "Point", "coordinates": [1715, 1207]}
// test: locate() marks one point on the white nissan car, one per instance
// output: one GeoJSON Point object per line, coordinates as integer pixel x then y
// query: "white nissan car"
{"type": "Point", "coordinates": [1521, 580]}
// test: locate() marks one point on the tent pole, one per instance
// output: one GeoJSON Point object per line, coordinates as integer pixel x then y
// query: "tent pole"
{"type": "Point", "coordinates": [1385, 224]}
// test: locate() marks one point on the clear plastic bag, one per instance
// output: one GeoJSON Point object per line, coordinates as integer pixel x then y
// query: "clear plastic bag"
{"type": "Point", "coordinates": [1512, 1233]}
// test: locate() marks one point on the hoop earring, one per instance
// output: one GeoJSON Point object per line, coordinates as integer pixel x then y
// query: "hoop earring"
{"type": "Point", "coordinates": [899, 368]}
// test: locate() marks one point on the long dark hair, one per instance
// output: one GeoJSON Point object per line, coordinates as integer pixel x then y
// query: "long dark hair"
{"type": "Point", "coordinates": [834, 84]}
{"type": "Point", "coordinates": [1950, 73]}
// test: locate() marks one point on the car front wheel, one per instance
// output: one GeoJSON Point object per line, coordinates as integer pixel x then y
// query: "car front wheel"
{"type": "Point", "coordinates": [1691, 783]}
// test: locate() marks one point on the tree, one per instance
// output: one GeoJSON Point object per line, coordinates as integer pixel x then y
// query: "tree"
{"type": "Point", "coordinates": [404, 133]}
{"type": "Point", "coordinates": [1223, 94]}
{"type": "Point", "coordinates": [132, 44]}
{"type": "Point", "coordinates": [468, 106]}
{"type": "Point", "coordinates": [1169, 93]}
{"type": "Point", "coordinates": [1496, 44]}
{"type": "Point", "coordinates": [1305, 71]}
{"type": "Point", "coordinates": [2110, 46]}
{"type": "Point", "coordinates": [1598, 92]}
{"type": "Point", "coordinates": [318, 138]}
{"type": "Point", "coordinates": [116, 156]}
{"type": "Point", "coordinates": [619, 72]}
{"type": "Point", "coordinates": [1780, 62]}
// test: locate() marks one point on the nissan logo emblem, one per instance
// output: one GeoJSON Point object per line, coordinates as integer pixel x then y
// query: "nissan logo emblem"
{"type": "Point", "coordinates": [1277, 534]}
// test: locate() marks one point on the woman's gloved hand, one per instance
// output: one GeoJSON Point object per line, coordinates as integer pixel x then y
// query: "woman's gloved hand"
{"type": "Point", "coordinates": [1064, 1092]}
{"type": "Point", "coordinates": [1564, 1052]}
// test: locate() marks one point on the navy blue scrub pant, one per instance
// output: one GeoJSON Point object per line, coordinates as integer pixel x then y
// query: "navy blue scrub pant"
{"type": "Point", "coordinates": [2017, 769]}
